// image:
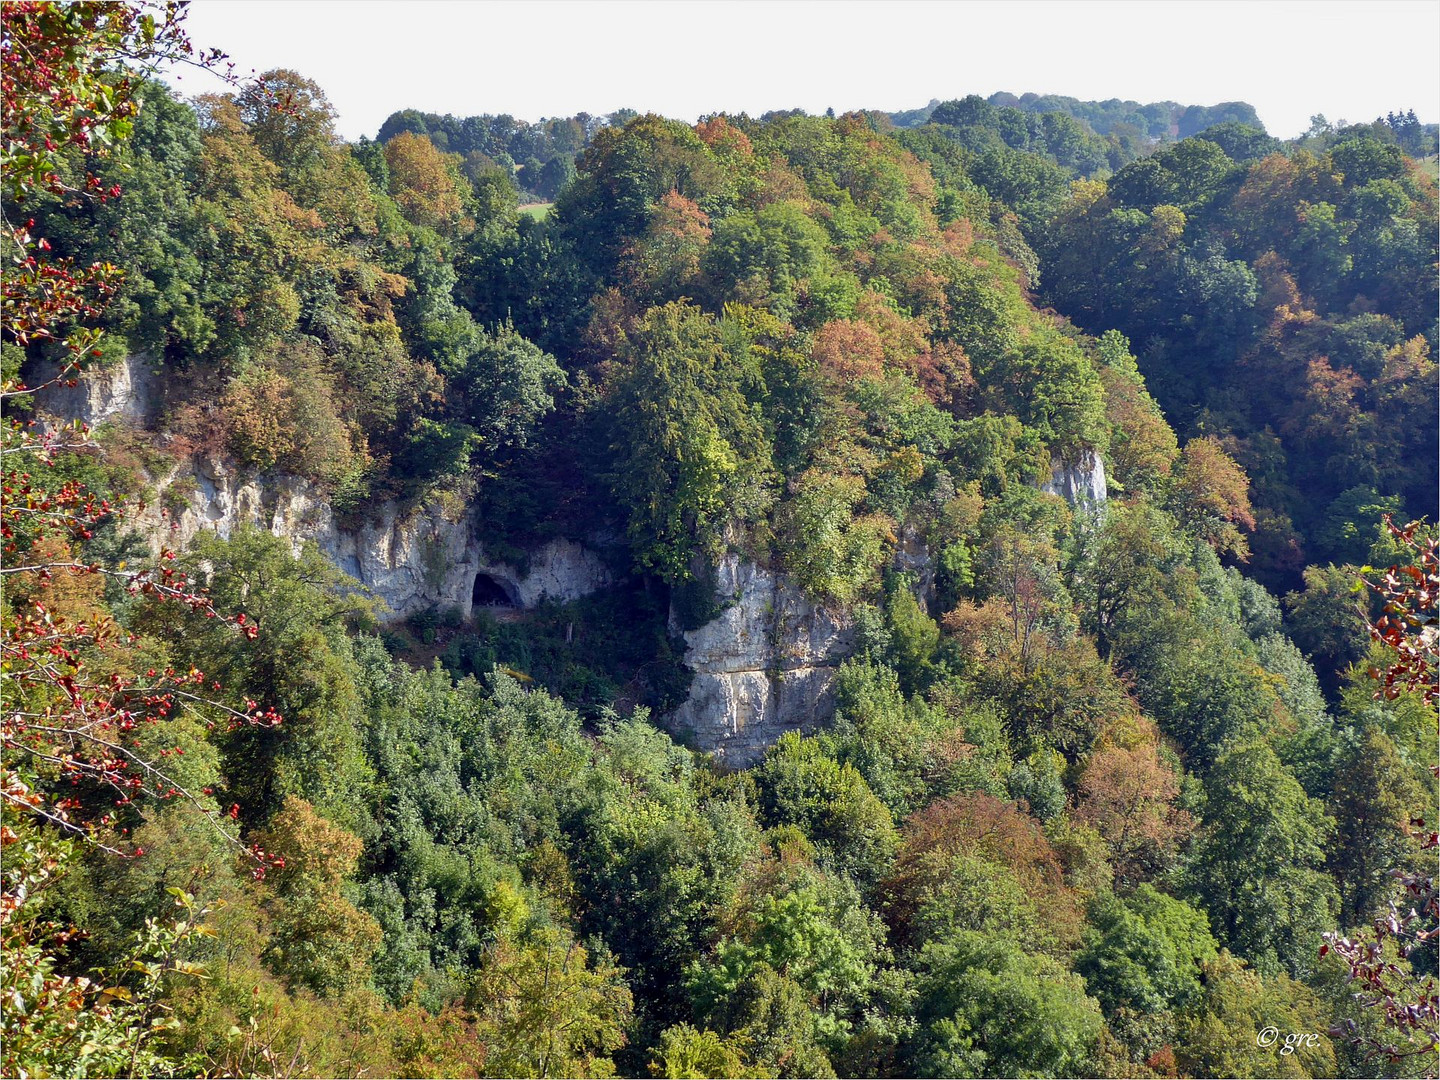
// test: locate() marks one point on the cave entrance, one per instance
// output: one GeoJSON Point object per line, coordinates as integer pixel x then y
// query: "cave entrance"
{"type": "Point", "coordinates": [490, 592]}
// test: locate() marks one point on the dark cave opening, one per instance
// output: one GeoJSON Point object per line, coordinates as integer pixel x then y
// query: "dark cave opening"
{"type": "Point", "coordinates": [488, 592]}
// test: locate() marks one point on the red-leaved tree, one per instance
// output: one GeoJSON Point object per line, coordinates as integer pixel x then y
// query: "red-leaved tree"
{"type": "Point", "coordinates": [69, 76]}
{"type": "Point", "coordinates": [75, 695]}
{"type": "Point", "coordinates": [1382, 960]}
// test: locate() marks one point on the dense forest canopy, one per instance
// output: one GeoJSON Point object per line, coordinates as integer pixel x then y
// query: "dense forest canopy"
{"type": "Point", "coordinates": [1101, 775]}
{"type": "Point", "coordinates": [1158, 120]}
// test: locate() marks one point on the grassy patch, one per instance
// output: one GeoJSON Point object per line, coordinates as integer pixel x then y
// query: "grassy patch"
{"type": "Point", "coordinates": [538, 210]}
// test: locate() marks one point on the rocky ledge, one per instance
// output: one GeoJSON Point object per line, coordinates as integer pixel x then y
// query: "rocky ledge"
{"type": "Point", "coordinates": [412, 559]}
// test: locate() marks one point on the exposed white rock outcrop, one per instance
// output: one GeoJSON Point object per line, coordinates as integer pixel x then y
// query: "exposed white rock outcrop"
{"type": "Point", "coordinates": [562, 570]}
{"type": "Point", "coordinates": [1079, 483]}
{"type": "Point", "coordinates": [126, 390]}
{"type": "Point", "coordinates": [912, 556]}
{"type": "Point", "coordinates": [763, 666]}
{"type": "Point", "coordinates": [412, 560]}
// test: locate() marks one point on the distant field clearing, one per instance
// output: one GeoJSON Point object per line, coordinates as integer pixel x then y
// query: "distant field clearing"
{"type": "Point", "coordinates": [537, 210]}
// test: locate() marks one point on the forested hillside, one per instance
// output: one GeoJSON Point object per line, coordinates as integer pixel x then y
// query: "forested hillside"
{"type": "Point", "coordinates": [1157, 120]}
{"type": "Point", "coordinates": [1101, 780]}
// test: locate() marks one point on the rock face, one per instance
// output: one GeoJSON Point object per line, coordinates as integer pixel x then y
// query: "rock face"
{"type": "Point", "coordinates": [412, 561]}
{"type": "Point", "coordinates": [762, 667]}
{"type": "Point", "coordinates": [912, 556]}
{"type": "Point", "coordinates": [126, 390]}
{"type": "Point", "coordinates": [561, 570]}
{"type": "Point", "coordinates": [1081, 483]}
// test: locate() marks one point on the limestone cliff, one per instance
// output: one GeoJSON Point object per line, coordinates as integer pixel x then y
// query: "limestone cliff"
{"type": "Point", "coordinates": [413, 558]}
{"type": "Point", "coordinates": [126, 390]}
{"type": "Point", "coordinates": [1081, 483]}
{"type": "Point", "coordinates": [763, 666]}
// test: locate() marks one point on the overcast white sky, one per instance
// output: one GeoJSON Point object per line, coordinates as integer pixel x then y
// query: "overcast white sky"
{"type": "Point", "coordinates": [683, 58]}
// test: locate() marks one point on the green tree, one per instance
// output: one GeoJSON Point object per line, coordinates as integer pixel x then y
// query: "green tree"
{"type": "Point", "coordinates": [1054, 389]}
{"type": "Point", "coordinates": [542, 1009]}
{"type": "Point", "coordinates": [689, 451]}
{"type": "Point", "coordinates": [1145, 952]}
{"type": "Point", "coordinates": [834, 552]}
{"type": "Point", "coordinates": [1221, 1034]}
{"type": "Point", "coordinates": [107, 1024]}
{"type": "Point", "coordinates": [774, 1017]}
{"type": "Point", "coordinates": [1374, 798]}
{"type": "Point", "coordinates": [801, 785]}
{"type": "Point", "coordinates": [884, 736]}
{"type": "Point", "coordinates": [299, 664]}
{"type": "Point", "coordinates": [914, 635]}
{"type": "Point", "coordinates": [684, 1053]}
{"type": "Point", "coordinates": [988, 1008]}
{"type": "Point", "coordinates": [656, 860]}
{"type": "Point", "coordinates": [758, 258]}
{"type": "Point", "coordinates": [504, 385]}
{"type": "Point", "coordinates": [1327, 621]}
{"type": "Point", "coordinates": [808, 927]}
{"type": "Point", "coordinates": [1256, 863]}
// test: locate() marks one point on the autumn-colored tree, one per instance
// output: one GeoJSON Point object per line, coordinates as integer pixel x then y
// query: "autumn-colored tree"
{"type": "Point", "coordinates": [1142, 445]}
{"type": "Point", "coordinates": [290, 119]}
{"type": "Point", "coordinates": [1027, 598]}
{"type": "Point", "coordinates": [423, 184]}
{"type": "Point", "coordinates": [1212, 495]}
{"type": "Point", "coordinates": [284, 414]}
{"type": "Point", "coordinates": [721, 135]}
{"type": "Point", "coordinates": [318, 938]}
{"type": "Point", "coordinates": [846, 350]}
{"type": "Point", "coordinates": [1129, 795]}
{"type": "Point", "coordinates": [1408, 624]}
{"type": "Point", "coordinates": [71, 716]}
{"type": "Point", "coordinates": [982, 826]}
{"type": "Point", "coordinates": [664, 261]}
{"type": "Point", "coordinates": [80, 702]}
